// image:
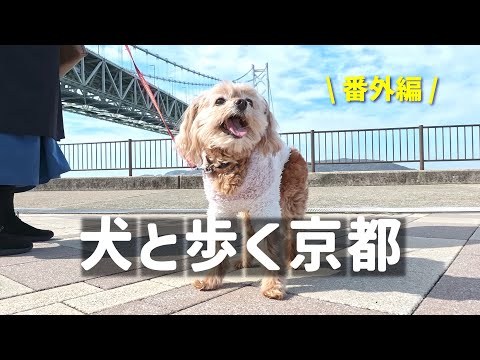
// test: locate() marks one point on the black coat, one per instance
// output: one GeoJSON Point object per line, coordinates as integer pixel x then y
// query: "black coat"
{"type": "Point", "coordinates": [30, 100]}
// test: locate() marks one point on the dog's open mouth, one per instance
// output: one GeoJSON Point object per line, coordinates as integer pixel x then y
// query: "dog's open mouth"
{"type": "Point", "coordinates": [235, 126]}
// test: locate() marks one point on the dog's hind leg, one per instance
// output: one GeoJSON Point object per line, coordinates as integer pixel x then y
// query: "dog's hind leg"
{"type": "Point", "coordinates": [290, 240]}
{"type": "Point", "coordinates": [293, 198]}
{"type": "Point", "coordinates": [273, 283]}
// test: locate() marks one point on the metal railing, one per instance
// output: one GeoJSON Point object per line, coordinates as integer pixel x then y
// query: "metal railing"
{"type": "Point", "coordinates": [360, 146]}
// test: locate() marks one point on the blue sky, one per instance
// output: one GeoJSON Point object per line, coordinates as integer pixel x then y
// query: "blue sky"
{"type": "Point", "coordinates": [300, 95]}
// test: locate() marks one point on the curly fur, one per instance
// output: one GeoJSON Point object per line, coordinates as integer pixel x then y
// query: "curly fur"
{"type": "Point", "coordinates": [229, 178]}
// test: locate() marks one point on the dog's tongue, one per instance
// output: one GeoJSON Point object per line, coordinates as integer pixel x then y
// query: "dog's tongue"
{"type": "Point", "coordinates": [233, 125]}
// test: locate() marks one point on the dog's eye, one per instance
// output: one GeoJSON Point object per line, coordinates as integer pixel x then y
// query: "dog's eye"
{"type": "Point", "coordinates": [250, 101]}
{"type": "Point", "coordinates": [220, 101]}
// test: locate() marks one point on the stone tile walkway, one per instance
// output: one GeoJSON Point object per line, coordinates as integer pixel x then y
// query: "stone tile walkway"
{"type": "Point", "coordinates": [441, 275]}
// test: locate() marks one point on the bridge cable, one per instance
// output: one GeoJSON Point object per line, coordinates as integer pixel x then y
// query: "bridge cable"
{"type": "Point", "coordinates": [241, 77]}
{"type": "Point", "coordinates": [175, 64]}
{"type": "Point", "coordinates": [152, 98]}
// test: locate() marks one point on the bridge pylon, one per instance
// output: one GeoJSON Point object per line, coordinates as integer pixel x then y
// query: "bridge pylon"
{"type": "Point", "coordinates": [261, 82]}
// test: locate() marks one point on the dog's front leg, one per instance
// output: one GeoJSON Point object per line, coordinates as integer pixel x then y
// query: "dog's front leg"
{"type": "Point", "coordinates": [214, 277]}
{"type": "Point", "coordinates": [247, 233]}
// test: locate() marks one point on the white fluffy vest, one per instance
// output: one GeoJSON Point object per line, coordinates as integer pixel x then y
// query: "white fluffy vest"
{"type": "Point", "coordinates": [260, 191]}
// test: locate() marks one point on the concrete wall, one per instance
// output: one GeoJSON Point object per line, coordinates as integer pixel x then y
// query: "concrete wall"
{"type": "Point", "coordinates": [413, 177]}
{"type": "Point", "coordinates": [356, 178]}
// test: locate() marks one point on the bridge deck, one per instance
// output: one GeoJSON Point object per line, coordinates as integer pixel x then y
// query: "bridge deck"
{"type": "Point", "coordinates": [98, 88]}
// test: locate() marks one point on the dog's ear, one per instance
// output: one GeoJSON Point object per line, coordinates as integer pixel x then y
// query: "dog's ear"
{"type": "Point", "coordinates": [186, 142]}
{"type": "Point", "coordinates": [270, 142]}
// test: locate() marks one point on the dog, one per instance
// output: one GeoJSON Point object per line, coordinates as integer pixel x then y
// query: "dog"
{"type": "Point", "coordinates": [249, 171]}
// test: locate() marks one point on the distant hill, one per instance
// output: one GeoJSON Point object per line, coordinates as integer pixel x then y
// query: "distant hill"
{"type": "Point", "coordinates": [355, 166]}
{"type": "Point", "coordinates": [325, 167]}
{"type": "Point", "coordinates": [183, 172]}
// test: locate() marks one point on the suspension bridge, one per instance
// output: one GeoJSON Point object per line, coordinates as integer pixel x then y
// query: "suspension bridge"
{"type": "Point", "coordinates": [104, 85]}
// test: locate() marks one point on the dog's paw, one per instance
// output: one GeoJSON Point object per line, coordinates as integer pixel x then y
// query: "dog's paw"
{"type": "Point", "coordinates": [273, 288]}
{"type": "Point", "coordinates": [274, 293]}
{"type": "Point", "coordinates": [240, 264]}
{"type": "Point", "coordinates": [210, 283]}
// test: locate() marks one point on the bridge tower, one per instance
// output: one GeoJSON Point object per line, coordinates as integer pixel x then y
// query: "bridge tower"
{"type": "Point", "coordinates": [261, 82]}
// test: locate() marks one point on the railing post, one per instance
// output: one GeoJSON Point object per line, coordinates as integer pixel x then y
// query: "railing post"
{"type": "Point", "coordinates": [130, 157]}
{"type": "Point", "coordinates": [421, 148]}
{"type": "Point", "coordinates": [312, 150]}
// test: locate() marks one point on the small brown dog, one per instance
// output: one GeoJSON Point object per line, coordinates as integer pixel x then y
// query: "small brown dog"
{"type": "Point", "coordinates": [231, 133]}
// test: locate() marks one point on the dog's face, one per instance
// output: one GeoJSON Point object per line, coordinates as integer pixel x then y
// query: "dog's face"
{"type": "Point", "coordinates": [232, 117]}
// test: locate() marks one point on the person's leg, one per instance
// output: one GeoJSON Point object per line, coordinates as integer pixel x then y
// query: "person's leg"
{"type": "Point", "coordinates": [10, 244]}
{"type": "Point", "coordinates": [14, 225]}
{"type": "Point", "coordinates": [27, 161]}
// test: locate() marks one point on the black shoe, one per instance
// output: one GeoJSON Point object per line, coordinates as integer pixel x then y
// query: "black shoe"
{"type": "Point", "coordinates": [13, 244]}
{"type": "Point", "coordinates": [17, 227]}
{"type": "Point", "coordinates": [12, 225]}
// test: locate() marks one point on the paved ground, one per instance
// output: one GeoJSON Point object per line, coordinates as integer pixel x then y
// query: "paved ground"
{"type": "Point", "coordinates": [465, 195]}
{"type": "Point", "coordinates": [440, 272]}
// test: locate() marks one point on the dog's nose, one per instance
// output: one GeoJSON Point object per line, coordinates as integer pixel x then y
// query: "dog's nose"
{"type": "Point", "coordinates": [241, 104]}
